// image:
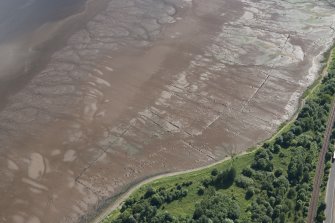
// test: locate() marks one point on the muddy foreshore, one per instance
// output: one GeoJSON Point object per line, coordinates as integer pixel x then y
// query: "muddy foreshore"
{"type": "Point", "coordinates": [107, 207]}
{"type": "Point", "coordinates": [26, 53]}
{"type": "Point", "coordinates": [143, 87]}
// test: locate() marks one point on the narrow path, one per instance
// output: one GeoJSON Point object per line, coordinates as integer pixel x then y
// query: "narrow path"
{"type": "Point", "coordinates": [320, 167]}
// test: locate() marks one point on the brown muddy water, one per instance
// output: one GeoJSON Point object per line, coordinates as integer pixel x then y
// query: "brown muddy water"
{"type": "Point", "coordinates": [128, 89]}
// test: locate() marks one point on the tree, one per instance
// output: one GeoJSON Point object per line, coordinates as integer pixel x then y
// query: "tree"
{"type": "Point", "coordinates": [278, 172]}
{"type": "Point", "coordinates": [276, 148]}
{"type": "Point", "coordinates": [262, 160]}
{"type": "Point", "coordinates": [162, 217]}
{"type": "Point", "coordinates": [287, 138]}
{"type": "Point", "coordinates": [250, 192]}
{"type": "Point", "coordinates": [248, 172]}
{"type": "Point", "coordinates": [149, 192]}
{"type": "Point", "coordinates": [201, 190]}
{"type": "Point", "coordinates": [156, 200]}
{"type": "Point", "coordinates": [214, 172]}
{"type": "Point", "coordinates": [291, 193]}
{"type": "Point", "coordinates": [243, 181]}
{"type": "Point", "coordinates": [225, 178]}
{"type": "Point", "coordinates": [320, 216]}
{"type": "Point", "coordinates": [295, 168]}
{"type": "Point", "coordinates": [262, 164]}
{"type": "Point", "coordinates": [218, 208]}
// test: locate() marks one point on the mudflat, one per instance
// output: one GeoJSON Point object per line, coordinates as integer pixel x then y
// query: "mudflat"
{"type": "Point", "coordinates": [145, 87]}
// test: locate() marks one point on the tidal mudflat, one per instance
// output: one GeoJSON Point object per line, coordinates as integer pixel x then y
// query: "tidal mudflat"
{"type": "Point", "coordinates": [152, 86]}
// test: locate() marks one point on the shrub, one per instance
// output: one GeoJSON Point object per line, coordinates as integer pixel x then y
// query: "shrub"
{"type": "Point", "coordinates": [243, 181]}
{"type": "Point", "coordinates": [206, 182]}
{"type": "Point", "coordinates": [250, 192]}
{"type": "Point", "coordinates": [278, 172]}
{"type": "Point", "coordinates": [149, 192]}
{"type": "Point", "coordinates": [248, 172]}
{"type": "Point", "coordinates": [291, 193]}
{"type": "Point", "coordinates": [214, 172]}
{"type": "Point", "coordinates": [201, 190]}
{"type": "Point", "coordinates": [156, 200]}
{"type": "Point", "coordinates": [217, 207]}
{"type": "Point", "coordinates": [225, 178]}
{"type": "Point", "coordinates": [276, 148]}
{"type": "Point", "coordinates": [187, 184]}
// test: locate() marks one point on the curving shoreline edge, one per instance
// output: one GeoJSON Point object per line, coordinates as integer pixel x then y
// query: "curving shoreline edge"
{"type": "Point", "coordinates": [119, 199]}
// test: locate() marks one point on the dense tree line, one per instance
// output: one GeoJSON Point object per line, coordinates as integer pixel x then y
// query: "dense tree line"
{"type": "Point", "coordinates": [284, 197]}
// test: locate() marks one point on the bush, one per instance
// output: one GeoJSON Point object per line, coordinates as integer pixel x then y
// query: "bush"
{"type": "Point", "coordinates": [150, 191]}
{"type": "Point", "coordinates": [278, 172]}
{"type": "Point", "coordinates": [296, 168]}
{"type": "Point", "coordinates": [201, 190]}
{"type": "Point", "coordinates": [248, 172]}
{"type": "Point", "coordinates": [281, 155]}
{"type": "Point", "coordinates": [320, 216]}
{"type": "Point", "coordinates": [214, 172]}
{"type": "Point", "coordinates": [276, 148]}
{"type": "Point", "coordinates": [291, 193]}
{"type": "Point", "coordinates": [218, 208]}
{"type": "Point", "coordinates": [156, 200]}
{"type": "Point", "coordinates": [243, 181]}
{"type": "Point", "coordinates": [250, 192]}
{"type": "Point", "coordinates": [225, 178]}
{"type": "Point", "coordinates": [206, 182]}
{"type": "Point", "coordinates": [262, 164]}
{"type": "Point", "coordinates": [187, 184]}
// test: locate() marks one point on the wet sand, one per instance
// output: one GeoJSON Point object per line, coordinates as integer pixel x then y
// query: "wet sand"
{"type": "Point", "coordinates": [26, 46]}
{"type": "Point", "coordinates": [150, 86]}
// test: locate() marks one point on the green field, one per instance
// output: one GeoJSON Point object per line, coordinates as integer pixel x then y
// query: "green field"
{"type": "Point", "coordinates": [272, 183]}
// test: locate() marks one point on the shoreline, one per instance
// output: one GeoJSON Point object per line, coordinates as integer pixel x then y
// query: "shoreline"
{"type": "Point", "coordinates": [320, 73]}
{"type": "Point", "coordinates": [122, 197]}
{"type": "Point", "coordinates": [101, 145]}
{"type": "Point", "coordinates": [323, 65]}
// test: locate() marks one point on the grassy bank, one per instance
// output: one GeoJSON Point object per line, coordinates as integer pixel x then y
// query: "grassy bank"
{"type": "Point", "coordinates": [271, 184]}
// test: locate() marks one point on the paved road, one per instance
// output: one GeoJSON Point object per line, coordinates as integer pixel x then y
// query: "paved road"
{"type": "Point", "coordinates": [330, 197]}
